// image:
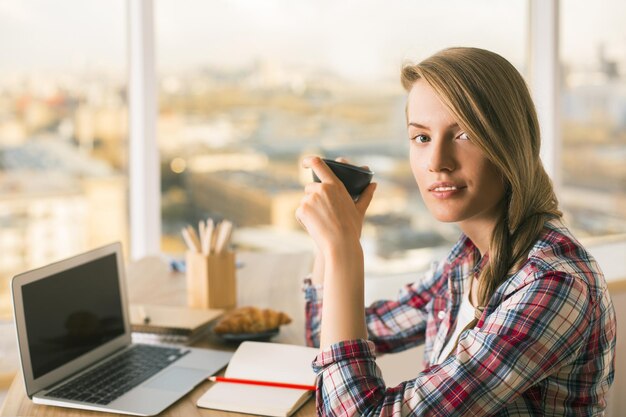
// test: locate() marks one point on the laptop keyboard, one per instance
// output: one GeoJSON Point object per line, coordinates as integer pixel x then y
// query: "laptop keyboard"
{"type": "Point", "coordinates": [118, 375]}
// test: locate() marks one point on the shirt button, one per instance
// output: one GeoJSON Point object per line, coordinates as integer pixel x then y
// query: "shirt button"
{"type": "Point", "coordinates": [441, 315]}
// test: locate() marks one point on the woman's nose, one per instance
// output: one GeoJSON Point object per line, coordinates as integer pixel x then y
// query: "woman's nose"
{"type": "Point", "coordinates": [441, 157]}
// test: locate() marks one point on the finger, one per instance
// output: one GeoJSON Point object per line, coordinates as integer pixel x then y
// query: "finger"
{"type": "Point", "coordinates": [366, 197]}
{"type": "Point", "coordinates": [311, 187]}
{"type": "Point", "coordinates": [297, 216]}
{"type": "Point", "coordinates": [307, 161]}
{"type": "Point", "coordinates": [320, 168]}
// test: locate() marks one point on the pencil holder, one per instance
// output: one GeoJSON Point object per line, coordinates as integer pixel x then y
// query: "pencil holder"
{"type": "Point", "coordinates": [211, 280]}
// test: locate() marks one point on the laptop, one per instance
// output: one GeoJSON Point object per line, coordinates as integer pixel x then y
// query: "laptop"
{"type": "Point", "coordinates": [74, 341]}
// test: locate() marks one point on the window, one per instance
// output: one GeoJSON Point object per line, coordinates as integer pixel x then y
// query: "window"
{"type": "Point", "coordinates": [593, 100]}
{"type": "Point", "coordinates": [247, 88]}
{"type": "Point", "coordinates": [63, 131]}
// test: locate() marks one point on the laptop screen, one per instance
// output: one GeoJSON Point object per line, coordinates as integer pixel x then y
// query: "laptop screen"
{"type": "Point", "coordinates": [72, 312]}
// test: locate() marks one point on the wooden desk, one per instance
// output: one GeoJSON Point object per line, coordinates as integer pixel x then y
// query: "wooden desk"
{"type": "Point", "coordinates": [265, 280]}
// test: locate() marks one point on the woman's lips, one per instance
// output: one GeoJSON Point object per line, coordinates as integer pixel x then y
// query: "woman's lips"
{"type": "Point", "coordinates": [445, 190]}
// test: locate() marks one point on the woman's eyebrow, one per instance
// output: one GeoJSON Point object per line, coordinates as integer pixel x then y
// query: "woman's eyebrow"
{"type": "Point", "coordinates": [420, 126]}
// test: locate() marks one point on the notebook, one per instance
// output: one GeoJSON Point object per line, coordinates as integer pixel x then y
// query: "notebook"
{"type": "Point", "coordinates": [74, 341]}
{"type": "Point", "coordinates": [154, 324]}
{"type": "Point", "coordinates": [146, 318]}
{"type": "Point", "coordinates": [267, 362]}
{"type": "Point", "coordinates": [292, 364]}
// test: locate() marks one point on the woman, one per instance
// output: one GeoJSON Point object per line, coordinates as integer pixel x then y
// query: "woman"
{"type": "Point", "coordinates": [517, 320]}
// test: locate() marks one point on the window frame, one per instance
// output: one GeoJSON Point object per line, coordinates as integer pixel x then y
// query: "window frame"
{"type": "Point", "coordinates": [544, 76]}
{"type": "Point", "coordinates": [144, 169]}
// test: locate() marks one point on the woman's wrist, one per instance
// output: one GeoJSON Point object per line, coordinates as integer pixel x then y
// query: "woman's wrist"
{"type": "Point", "coordinates": [317, 275]}
{"type": "Point", "coordinates": [331, 255]}
{"type": "Point", "coordinates": [341, 253]}
{"type": "Point", "coordinates": [344, 275]}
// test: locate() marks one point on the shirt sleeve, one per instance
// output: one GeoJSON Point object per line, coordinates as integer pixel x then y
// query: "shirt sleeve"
{"type": "Point", "coordinates": [530, 335]}
{"type": "Point", "coordinates": [392, 325]}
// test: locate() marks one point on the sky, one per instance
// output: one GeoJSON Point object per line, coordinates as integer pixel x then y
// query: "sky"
{"type": "Point", "coordinates": [362, 39]}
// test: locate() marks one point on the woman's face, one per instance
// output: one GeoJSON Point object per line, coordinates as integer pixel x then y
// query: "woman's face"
{"type": "Point", "coordinates": [457, 182]}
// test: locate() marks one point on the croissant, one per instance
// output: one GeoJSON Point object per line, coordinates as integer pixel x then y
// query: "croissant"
{"type": "Point", "coordinates": [251, 320]}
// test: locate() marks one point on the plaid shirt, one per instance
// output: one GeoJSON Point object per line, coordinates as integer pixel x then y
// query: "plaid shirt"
{"type": "Point", "coordinates": [545, 344]}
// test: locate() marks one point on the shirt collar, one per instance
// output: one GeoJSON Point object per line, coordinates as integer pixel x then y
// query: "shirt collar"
{"type": "Point", "coordinates": [464, 261]}
{"type": "Point", "coordinates": [463, 252]}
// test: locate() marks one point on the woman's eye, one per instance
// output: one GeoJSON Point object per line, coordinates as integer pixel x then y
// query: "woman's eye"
{"type": "Point", "coordinates": [421, 138]}
{"type": "Point", "coordinates": [463, 136]}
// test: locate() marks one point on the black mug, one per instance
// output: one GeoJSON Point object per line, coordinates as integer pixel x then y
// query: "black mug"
{"type": "Point", "coordinates": [354, 178]}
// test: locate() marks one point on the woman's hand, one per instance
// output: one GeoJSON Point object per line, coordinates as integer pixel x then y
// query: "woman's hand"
{"type": "Point", "coordinates": [327, 211]}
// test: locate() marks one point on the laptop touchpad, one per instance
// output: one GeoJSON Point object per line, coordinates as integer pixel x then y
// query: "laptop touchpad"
{"type": "Point", "coordinates": [177, 379]}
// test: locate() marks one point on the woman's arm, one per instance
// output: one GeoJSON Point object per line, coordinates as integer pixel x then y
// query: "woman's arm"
{"type": "Point", "coordinates": [393, 325]}
{"type": "Point", "coordinates": [343, 315]}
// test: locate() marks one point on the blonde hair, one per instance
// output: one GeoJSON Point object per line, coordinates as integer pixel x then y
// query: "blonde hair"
{"type": "Point", "coordinates": [490, 100]}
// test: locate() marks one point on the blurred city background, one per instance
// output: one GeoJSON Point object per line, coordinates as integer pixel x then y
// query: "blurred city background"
{"type": "Point", "coordinates": [246, 89]}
